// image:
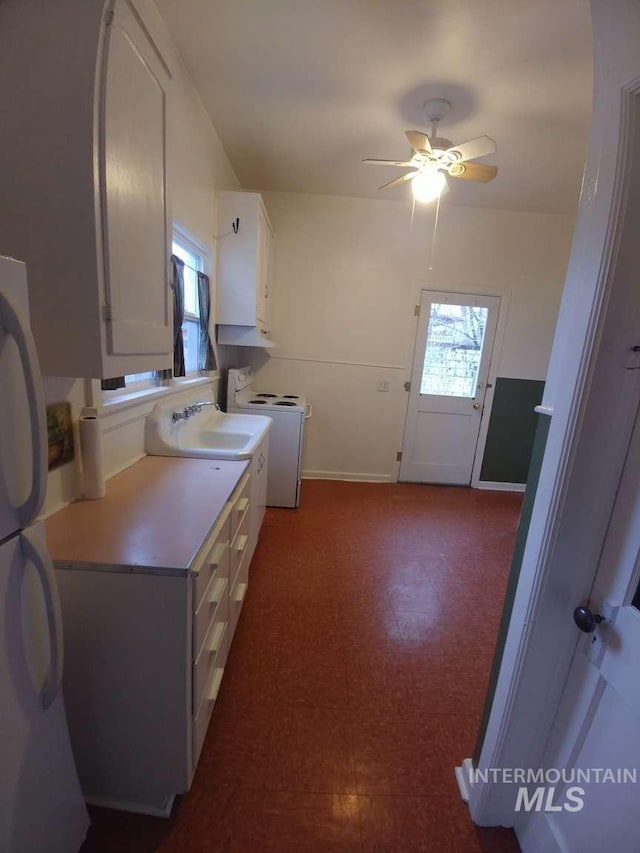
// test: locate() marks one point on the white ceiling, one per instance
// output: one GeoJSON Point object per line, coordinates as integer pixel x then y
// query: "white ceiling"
{"type": "Point", "coordinates": [300, 91]}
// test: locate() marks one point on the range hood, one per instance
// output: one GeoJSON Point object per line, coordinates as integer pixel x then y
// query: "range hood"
{"type": "Point", "coordinates": [244, 336]}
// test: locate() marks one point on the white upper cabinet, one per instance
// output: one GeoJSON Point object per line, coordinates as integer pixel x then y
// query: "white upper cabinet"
{"type": "Point", "coordinates": [84, 183]}
{"type": "Point", "coordinates": [245, 269]}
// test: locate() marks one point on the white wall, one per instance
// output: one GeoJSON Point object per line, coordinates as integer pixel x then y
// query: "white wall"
{"type": "Point", "coordinates": [348, 273]}
{"type": "Point", "coordinates": [197, 167]}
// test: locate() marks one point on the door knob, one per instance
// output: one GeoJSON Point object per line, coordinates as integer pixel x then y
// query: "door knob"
{"type": "Point", "coordinates": [476, 405]}
{"type": "Point", "coordinates": [586, 620]}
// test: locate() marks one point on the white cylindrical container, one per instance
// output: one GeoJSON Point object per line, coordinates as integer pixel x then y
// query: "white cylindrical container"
{"type": "Point", "coordinates": [91, 454]}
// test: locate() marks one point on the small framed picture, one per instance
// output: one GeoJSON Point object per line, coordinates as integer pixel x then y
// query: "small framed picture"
{"type": "Point", "coordinates": [59, 434]}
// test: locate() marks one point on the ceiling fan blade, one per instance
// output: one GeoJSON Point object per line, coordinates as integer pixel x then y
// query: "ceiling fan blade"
{"type": "Point", "coordinates": [389, 162]}
{"type": "Point", "coordinates": [418, 141]}
{"type": "Point", "coordinates": [474, 148]}
{"type": "Point", "coordinates": [399, 180]}
{"type": "Point", "coordinates": [473, 172]}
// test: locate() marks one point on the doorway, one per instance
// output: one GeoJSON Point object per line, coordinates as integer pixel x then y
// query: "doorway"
{"type": "Point", "coordinates": [592, 394]}
{"type": "Point", "coordinates": [598, 722]}
{"type": "Point", "coordinates": [452, 356]}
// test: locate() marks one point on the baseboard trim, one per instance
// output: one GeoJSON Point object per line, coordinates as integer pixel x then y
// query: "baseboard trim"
{"type": "Point", "coordinates": [464, 778]}
{"type": "Point", "coordinates": [490, 486]}
{"type": "Point", "coordinates": [349, 476]}
{"type": "Point", "coordinates": [160, 810]}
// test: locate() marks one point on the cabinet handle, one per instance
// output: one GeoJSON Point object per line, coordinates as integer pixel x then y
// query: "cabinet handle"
{"type": "Point", "coordinates": [242, 504]}
{"type": "Point", "coordinates": [40, 559]}
{"type": "Point", "coordinates": [217, 590]}
{"type": "Point", "coordinates": [241, 544]}
{"type": "Point", "coordinates": [214, 685]}
{"type": "Point", "coordinates": [17, 327]}
{"type": "Point", "coordinates": [216, 640]}
{"type": "Point", "coordinates": [241, 591]}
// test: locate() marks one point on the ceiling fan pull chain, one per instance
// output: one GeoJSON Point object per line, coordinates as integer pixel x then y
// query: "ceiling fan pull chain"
{"type": "Point", "coordinates": [435, 229]}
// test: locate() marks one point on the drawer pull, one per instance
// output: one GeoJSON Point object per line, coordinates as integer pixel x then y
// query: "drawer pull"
{"type": "Point", "coordinates": [242, 504]}
{"type": "Point", "coordinates": [216, 638]}
{"type": "Point", "coordinates": [241, 543]}
{"type": "Point", "coordinates": [241, 591]}
{"type": "Point", "coordinates": [217, 590]}
{"type": "Point", "coordinates": [217, 555]}
{"type": "Point", "coordinates": [214, 684]}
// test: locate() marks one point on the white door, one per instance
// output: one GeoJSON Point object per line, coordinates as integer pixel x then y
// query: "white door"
{"type": "Point", "coordinates": [598, 723]}
{"type": "Point", "coordinates": [451, 362]}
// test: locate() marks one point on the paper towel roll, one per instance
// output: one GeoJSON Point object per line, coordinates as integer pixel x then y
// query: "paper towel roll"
{"type": "Point", "coordinates": [91, 454]}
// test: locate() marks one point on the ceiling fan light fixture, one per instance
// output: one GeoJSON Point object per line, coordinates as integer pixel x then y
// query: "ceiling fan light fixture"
{"type": "Point", "coordinates": [428, 185]}
{"type": "Point", "coordinates": [433, 158]}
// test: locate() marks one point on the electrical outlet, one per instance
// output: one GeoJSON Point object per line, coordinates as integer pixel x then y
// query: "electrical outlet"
{"type": "Point", "coordinates": [383, 385]}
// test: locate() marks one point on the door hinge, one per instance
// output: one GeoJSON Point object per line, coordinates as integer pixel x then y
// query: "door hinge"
{"type": "Point", "coordinates": [416, 311]}
{"type": "Point", "coordinates": [108, 17]}
{"type": "Point", "coordinates": [407, 386]}
{"type": "Point", "coordinates": [399, 456]}
{"type": "Point", "coordinates": [107, 314]}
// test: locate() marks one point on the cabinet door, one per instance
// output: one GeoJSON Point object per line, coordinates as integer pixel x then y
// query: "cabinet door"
{"type": "Point", "coordinates": [134, 197]}
{"type": "Point", "coordinates": [262, 271]}
{"type": "Point", "coordinates": [268, 275]}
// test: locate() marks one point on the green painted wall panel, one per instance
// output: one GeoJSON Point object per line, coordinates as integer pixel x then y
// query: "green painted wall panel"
{"type": "Point", "coordinates": [512, 428]}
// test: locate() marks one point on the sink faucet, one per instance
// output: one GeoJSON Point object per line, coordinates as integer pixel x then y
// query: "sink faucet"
{"type": "Point", "coordinates": [186, 413]}
{"type": "Point", "coordinates": [197, 406]}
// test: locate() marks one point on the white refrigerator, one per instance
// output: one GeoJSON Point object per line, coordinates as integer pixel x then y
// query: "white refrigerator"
{"type": "Point", "coordinates": [41, 805]}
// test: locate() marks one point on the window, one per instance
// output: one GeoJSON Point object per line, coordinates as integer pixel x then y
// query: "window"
{"type": "Point", "coordinates": [135, 381]}
{"type": "Point", "coordinates": [190, 329]}
{"type": "Point", "coordinates": [193, 264]}
{"type": "Point", "coordinates": [453, 350]}
{"type": "Point", "coordinates": [113, 389]}
{"type": "Point", "coordinates": [193, 255]}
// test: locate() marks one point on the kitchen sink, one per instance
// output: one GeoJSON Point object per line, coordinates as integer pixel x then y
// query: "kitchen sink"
{"type": "Point", "coordinates": [205, 434]}
{"type": "Point", "coordinates": [223, 439]}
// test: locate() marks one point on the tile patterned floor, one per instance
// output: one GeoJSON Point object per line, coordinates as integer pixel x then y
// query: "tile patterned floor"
{"type": "Point", "coordinates": [355, 681]}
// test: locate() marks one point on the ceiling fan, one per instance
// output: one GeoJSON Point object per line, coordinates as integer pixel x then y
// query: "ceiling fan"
{"type": "Point", "coordinates": [433, 158]}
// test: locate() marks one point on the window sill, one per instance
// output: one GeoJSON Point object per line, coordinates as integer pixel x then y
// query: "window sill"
{"type": "Point", "coordinates": [124, 401]}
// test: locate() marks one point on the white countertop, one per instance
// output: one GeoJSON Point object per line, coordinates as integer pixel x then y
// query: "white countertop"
{"type": "Point", "coordinates": [155, 516]}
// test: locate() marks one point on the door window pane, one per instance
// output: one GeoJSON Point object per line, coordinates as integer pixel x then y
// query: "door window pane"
{"type": "Point", "coordinates": [454, 347]}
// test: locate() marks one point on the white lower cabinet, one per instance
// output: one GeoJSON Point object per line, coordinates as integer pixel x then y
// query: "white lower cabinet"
{"type": "Point", "coordinates": [145, 655]}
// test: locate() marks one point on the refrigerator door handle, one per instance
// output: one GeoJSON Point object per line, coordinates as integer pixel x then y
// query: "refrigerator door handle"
{"type": "Point", "coordinates": [33, 551]}
{"type": "Point", "coordinates": [16, 326]}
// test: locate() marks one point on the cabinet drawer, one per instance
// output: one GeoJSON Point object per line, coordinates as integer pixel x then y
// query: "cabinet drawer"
{"type": "Point", "coordinates": [212, 609]}
{"type": "Point", "coordinates": [213, 655]}
{"type": "Point", "coordinates": [239, 549]}
{"type": "Point", "coordinates": [201, 721]}
{"type": "Point", "coordinates": [239, 506]}
{"type": "Point", "coordinates": [215, 565]}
